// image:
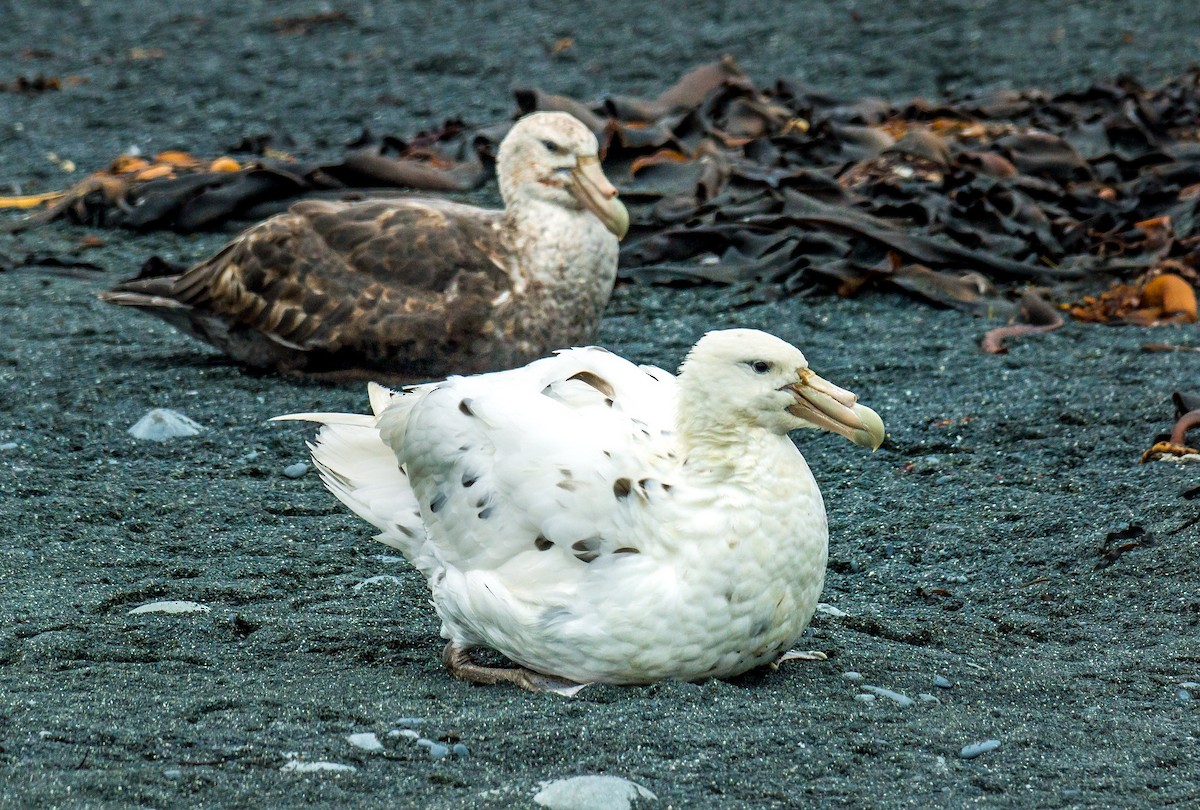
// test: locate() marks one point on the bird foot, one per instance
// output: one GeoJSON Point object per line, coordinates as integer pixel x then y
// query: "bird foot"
{"type": "Point", "coordinates": [800, 655]}
{"type": "Point", "coordinates": [458, 661]}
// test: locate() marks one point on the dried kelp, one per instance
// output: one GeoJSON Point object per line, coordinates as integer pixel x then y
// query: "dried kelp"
{"type": "Point", "coordinates": [959, 201]}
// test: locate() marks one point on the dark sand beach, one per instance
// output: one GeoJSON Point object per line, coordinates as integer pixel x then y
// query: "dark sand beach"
{"type": "Point", "coordinates": [970, 548]}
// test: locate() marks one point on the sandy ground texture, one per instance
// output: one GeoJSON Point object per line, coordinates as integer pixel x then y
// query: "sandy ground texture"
{"type": "Point", "coordinates": [970, 549]}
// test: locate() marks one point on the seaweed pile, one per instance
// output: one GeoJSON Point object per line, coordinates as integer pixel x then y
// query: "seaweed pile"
{"type": "Point", "coordinates": [958, 202]}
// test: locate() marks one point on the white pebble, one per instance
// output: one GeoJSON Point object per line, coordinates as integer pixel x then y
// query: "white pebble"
{"type": "Point", "coordinates": [173, 773]}
{"type": "Point", "coordinates": [900, 700]}
{"type": "Point", "coordinates": [372, 580]}
{"type": "Point", "coordinates": [9, 446]}
{"type": "Point", "coordinates": [461, 751]}
{"type": "Point", "coordinates": [1190, 685]}
{"type": "Point", "coordinates": [296, 470]}
{"type": "Point", "coordinates": [976, 749]}
{"type": "Point", "coordinates": [1184, 694]}
{"type": "Point", "coordinates": [366, 740]}
{"type": "Point", "coordinates": [297, 766]}
{"type": "Point", "coordinates": [171, 606]}
{"type": "Point", "coordinates": [942, 682]}
{"type": "Point", "coordinates": [829, 610]}
{"type": "Point", "coordinates": [591, 793]}
{"type": "Point", "coordinates": [851, 675]}
{"type": "Point", "coordinates": [925, 697]}
{"type": "Point", "coordinates": [864, 698]}
{"type": "Point", "coordinates": [161, 424]}
{"type": "Point", "coordinates": [406, 733]}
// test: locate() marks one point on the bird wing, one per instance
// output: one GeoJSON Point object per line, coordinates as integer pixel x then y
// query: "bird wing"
{"type": "Point", "coordinates": [335, 275]}
{"type": "Point", "coordinates": [539, 471]}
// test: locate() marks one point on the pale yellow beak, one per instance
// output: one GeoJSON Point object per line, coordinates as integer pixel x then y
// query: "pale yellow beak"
{"type": "Point", "coordinates": [835, 409]}
{"type": "Point", "coordinates": [596, 194]}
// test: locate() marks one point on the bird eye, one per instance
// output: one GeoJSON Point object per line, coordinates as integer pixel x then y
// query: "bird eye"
{"type": "Point", "coordinates": [552, 147]}
{"type": "Point", "coordinates": [760, 366]}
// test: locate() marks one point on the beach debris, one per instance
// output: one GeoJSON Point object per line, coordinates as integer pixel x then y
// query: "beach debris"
{"type": "Point", "coordinates": [1174, 447]}
{"type": "Point", "coordinates": [1118, 543]}
{"type": "Point", "coordinates": [171, 606]}
{"type": "Point", "coordinates": [365, 740]}
{"type": "Point", "coordinates": [1157, 298]}
{"type": "Point", "coordinates": [978, 749]}
{"type": "Point", "coordinates": [1037, 316]}
{"type": "Point", "coordinates": [161, 424]}
{"type": "Point", "coordinates": [592, 792]}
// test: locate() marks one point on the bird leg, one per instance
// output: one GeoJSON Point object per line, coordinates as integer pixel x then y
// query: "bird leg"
{"type": "Point", "coordinates": [799, 655]}
{"type": "Point", "coordinates": [458, 661]}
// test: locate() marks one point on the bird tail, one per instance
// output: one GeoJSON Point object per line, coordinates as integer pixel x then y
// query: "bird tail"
{"type": "Point", "coordinates": [362, 472]}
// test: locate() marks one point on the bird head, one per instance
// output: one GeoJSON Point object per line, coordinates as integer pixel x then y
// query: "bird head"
{"type": "Point", "coordinates": [552, 156]}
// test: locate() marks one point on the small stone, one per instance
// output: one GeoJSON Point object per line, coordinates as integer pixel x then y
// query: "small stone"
{"type": "Point", "coordinates": [1190, 685]}
{"type": "Point", "coordinates": [406, 733]}
{"type": "Point", "coordinates": [358, 586]}
{"type": "Point", "coordinates": [461, 751]}
{"type": "Point", "coordinates": [1184, 694]}
{"type": "Point", "coordinates": [8, 446]}
{"type": "Point", "coordinates": [942, 682]}
{"type": "Point", "coordinates": [943, 480]}
{"type": "Point", "coordinates": [829, 610]}
{"type": "Point", "coordinates": [592, 793]}
{"type": "Point", "coordinates": [925, 697]}
{"type": "Point", "coordinates": [173, 773]}
{"type": "Point", "coordinates": [864, 698]}
{"type": "Point", "coordinates": [161, 424]}
{"type": "Point", "coordinates": [852, 676]}
{"type": "Point", "coordinates": [298, 766]}
{"type": "Point", "coordinates": [366, 740]}
{"type": "Point", "coordinates": [410, 722]}
{"type": "Point", "coordinates": [977, 749]}
{"type": "Point", "coordinates": [296, 470]}
{"type": "Point", "coordinates": [171, 606]}
{"type": "Point", "coordinates": [899, 699]}
{"type": "Point", "coordinates": [436, 750]}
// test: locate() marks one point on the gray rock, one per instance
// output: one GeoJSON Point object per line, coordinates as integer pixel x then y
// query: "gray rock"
{"type": "Point", "coordinates": [161, 424]}
{"type": "Point", "coordinates": [592, 793]}
{"type": "Point", "coordinates": [461, 751]}
{"type": "Point", "coordinates": [942, 682]}
{"type": "Point", "coordinates": [296, 470]}
{"type": "Point", "coordinates": [977, 749]}
{"type": "Point", "coordinates": [899, 699]}
{"type": "Point", "coordinates": [8, 446]}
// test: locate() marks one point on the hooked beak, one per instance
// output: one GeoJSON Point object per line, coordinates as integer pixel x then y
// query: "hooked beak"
{"type": "Point", "coordinates": [835, 409]}
{"type": "Point", "coordinates": [596, 194]}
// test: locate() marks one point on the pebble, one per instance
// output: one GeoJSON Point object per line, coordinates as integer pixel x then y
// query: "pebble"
{"type": "Point", "coordinates": [436, 749]}
{"type": "Point", "coordinates": [406, 733]}
{"type": "Point", "coordinates": [942, 480]}
{"type": "Point", "coordinates": [297, 766]}
{"type": "Point", "coordinates": [592, 793]}
{"type": "Point", "coordinates": [171, 606]}
{"type": "Point", "coordinates": [161, 424]}
{"type": "Point", "coordinates": [1190, 685]}
{"type": "Point", "coordinates": [173, 773]}
{"type": "Point", "coordinates": [901, 700]}
{"type": "Point", "coordinates": [852, 676]}
{"type": "Point", "coordinates": [296, 470]}
{"type": "Point", "coordinates": [372, 580]}
{"type": "Point", "coordinates": [976, 749]}
{"type": "Point", "coordinates": [366, 740]}
{"type": "Point", "coordinates": [410, 722]}
{"type": "Point", "coordinates": [461, 751]}
{"type": "Point", "coordinates": [1184, 694]}
{"type": "Point", "coordinates": [829, 610]}
{"type": "Point", "coordinates": [8, 446]}
{"type": "Point", "coordinates": [864, 698]}
{"type": "Point", "coordinates": [925, 697]}
{"type": "Point", "coordinates": [942, 682]}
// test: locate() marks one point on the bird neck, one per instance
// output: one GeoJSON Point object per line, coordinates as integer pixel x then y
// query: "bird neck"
{"type": "Point", "coordinates": [730, 451]}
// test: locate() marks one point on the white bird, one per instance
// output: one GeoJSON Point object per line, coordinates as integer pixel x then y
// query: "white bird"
{"type": "Point", "coordinates": [597, 521]}
{"type": "Point", "coordinates": [414, 288]}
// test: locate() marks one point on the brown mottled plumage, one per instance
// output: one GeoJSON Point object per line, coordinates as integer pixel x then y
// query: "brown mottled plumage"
{"type": "Point", "coordinates": [414, 288]}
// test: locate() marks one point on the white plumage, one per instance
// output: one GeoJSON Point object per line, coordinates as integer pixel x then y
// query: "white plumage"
{"type": "Point", "coordinates": [594, 520]}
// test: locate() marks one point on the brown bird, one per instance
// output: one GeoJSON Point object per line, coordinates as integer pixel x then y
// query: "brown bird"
{"type": "Point", "coordinates": [414, 288]}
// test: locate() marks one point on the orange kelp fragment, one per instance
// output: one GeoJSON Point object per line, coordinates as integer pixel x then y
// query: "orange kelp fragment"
{"type": "Point", "coordinates": [1170, 298]}
{"type": "Point", "coordinates": [1165, 298]}
{"type": "Point", "coordinates": [30, 200]}
{"type": "Point", "coordinates": [224, 164]}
